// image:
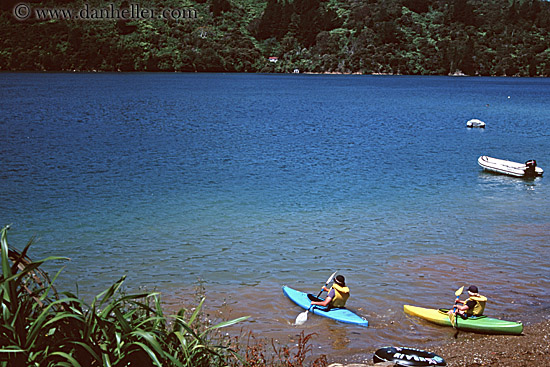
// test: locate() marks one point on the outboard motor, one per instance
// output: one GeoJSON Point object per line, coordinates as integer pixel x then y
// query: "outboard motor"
{"type": "Point", "coordinates": [530, 167]}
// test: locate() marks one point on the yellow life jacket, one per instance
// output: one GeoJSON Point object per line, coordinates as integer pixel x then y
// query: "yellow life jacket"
{"type": "Point", "coordinates": [479, 307]}
{"type": "Point", "coordinates": [341, 295]}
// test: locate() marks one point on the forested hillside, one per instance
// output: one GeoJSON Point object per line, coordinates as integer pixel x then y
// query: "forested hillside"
{"type": "Point", "coordinates": [423, 37]}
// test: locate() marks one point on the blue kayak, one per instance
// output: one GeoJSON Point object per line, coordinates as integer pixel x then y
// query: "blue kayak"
{"type": "Point", "coordinates": [339, 314]}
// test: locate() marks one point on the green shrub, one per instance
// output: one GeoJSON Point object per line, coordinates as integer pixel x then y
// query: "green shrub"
{"type": "Point", "coordinates": [40, 328]}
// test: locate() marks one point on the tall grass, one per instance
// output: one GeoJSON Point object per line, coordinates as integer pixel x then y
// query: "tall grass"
{"type": "Point", "coordinates": [262, 352]}
{"type": "Point", "coordinates": [39, 327]}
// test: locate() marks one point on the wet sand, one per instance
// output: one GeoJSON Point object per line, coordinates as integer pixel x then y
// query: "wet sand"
{"type": "Point", "coordinates": [532, 348]}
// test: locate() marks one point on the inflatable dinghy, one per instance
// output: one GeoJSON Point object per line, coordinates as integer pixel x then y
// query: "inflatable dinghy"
{"type": "Point", "coordinates": [403, 356]}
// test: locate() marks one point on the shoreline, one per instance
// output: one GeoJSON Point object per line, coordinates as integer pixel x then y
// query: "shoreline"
{"type": "Point", "coordinates": [94, 71]}
{"type": "Point", "coordinates": [531, 348]}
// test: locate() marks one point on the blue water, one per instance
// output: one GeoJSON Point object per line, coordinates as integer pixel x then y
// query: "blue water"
{"type": "Point", "coordinates": [249, 182]}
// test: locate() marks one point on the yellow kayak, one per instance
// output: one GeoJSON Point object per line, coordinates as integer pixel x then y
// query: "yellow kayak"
{"type": "Point", "coordinates": [476, 324]}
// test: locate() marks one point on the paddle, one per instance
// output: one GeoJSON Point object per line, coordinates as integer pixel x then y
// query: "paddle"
{"type": "Point", "coordinates": [302, 317]}
{"type": "Point", "coordinates": [452, 316]}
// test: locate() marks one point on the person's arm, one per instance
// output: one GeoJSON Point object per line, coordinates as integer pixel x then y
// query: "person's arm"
{"type": "Point", "coordinates": [462, 307]}
{"type": "Point", "coordinates": [323, 303]}
{"type": "Point", "coordinates": [327, 300]}
{"type": "Point", "coordinates": [460, 301]}
{"type": "Point", "coordinates": [466, 305]}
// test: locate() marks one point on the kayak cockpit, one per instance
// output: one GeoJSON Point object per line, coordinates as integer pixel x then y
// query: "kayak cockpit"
{"type": "Point", "coordinates": [464, 317]}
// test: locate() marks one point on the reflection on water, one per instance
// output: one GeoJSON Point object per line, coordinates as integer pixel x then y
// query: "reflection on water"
{"type": "Point", "coordinates": [497, 179]}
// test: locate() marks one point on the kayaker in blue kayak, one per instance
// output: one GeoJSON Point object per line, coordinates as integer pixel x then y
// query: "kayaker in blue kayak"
{"type": "Point", "coordinates": [473, 306]}
{"type": "Point", "coordinates": [337, 296]}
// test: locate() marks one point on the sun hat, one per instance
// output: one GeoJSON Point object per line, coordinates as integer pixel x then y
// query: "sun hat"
{"type": "Point", "coordinates": [340, 280]}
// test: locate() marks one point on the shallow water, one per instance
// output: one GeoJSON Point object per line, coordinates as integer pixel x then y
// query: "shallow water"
{"type": "Point", "coordinates": [249, 182]}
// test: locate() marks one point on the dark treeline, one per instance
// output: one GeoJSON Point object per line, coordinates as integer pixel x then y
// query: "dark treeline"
{"type": "Point", "coordinates": [422, 37]}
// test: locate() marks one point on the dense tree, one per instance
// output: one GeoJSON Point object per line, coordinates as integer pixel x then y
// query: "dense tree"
{"type": "Point", "coordinates": [418, 6]}
{"type": "Point", "coordinates": [274, 21]}
{"type": "Point", "coordinates": [493, 37]}
{"type": "Point", "coordinates": [218, 7]}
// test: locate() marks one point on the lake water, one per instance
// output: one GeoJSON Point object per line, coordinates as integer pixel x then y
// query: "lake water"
{"type": "Point", "coordinates": [250, 182]}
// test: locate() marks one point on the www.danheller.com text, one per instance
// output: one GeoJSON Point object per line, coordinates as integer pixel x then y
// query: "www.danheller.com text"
{"type": "Point", "coordinates": [24, 11]}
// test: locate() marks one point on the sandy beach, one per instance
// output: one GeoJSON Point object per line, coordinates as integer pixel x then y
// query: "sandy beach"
{"type": "Point", "coordinates": [532, 348]}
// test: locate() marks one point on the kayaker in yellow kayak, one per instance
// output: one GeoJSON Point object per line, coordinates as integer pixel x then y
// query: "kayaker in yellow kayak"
{"type": "Point", "coordinates": [337, 296]}
{"type": "Point", "coordinates": [473, 306]}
